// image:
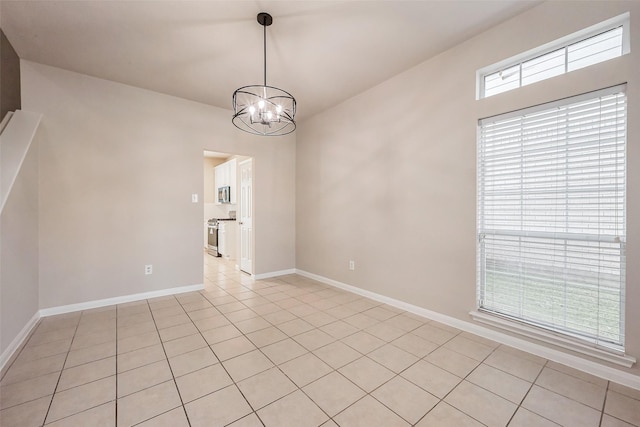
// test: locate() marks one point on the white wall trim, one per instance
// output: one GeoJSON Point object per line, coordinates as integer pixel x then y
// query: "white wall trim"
{"type": "Point", "coordinates": [17, 342]}
{"type": "Point", "coordinates": [570, 360]}
{"type": "Point", "coordinates": [15, 141]}
{"type": "Point", "coordinates": [118, 300]}
{"type": "Point", "coordinates": [274, 274]}
{"type": "Point", "coordinates": [5, 121]}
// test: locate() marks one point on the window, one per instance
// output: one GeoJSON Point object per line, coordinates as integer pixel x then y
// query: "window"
{"type": "Point", "coordinates": [551, 216]}
{"type": "Point", "coordinates": [596, 44]}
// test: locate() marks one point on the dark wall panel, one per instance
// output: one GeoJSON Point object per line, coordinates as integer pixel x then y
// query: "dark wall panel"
{"type": "Point", "coordinates": [9, 77]}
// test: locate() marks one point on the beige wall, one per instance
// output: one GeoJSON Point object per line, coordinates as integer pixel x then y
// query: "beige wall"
{"type": "Point", "coordinates": [118, 167]}
{"type": "Point", "coordinates": [19, 251]}
{"type": "Point", "coordinates": [388, 178]}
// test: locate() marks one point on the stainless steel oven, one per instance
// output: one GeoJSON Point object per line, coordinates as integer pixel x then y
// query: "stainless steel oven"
{"type": "Point", "coordinates": [212, 237]}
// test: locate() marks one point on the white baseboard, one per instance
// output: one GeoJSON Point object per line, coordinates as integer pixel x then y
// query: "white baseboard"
{"type": "Point", "coordinates": [271, 274]}
{"type": "Point", "coordinates": [17, 342]}
{"type": "Point", "coordinates": [118, 300]}
{"type": "Point", "coordinates": [570, 360]}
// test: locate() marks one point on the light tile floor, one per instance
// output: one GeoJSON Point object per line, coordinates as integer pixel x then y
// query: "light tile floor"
{"type": "Point", "coordinates": [288, 352]}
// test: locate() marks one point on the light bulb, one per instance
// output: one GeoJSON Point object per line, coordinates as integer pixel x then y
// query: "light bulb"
{"type": "Point", "coordinates": [252, 110]}
{"type": "Point", "coordinates": [261, 104]}
{"type": "Point", "coordinates": [279, 109]}
{"type": "Point", "coordinates": [269, 114]}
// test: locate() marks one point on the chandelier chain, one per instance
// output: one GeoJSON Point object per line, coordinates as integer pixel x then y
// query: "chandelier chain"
{"type": "Point", "coordinates": [264, 38]}
{"type": "Point", "coordinates": [264, 110]}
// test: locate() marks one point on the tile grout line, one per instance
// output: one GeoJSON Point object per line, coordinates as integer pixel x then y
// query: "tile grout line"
{"type": "Point", "coordinates": [233, 382]}
{"type": "Point", "coordinates": [396, 374]}
{"type": "Point", "coordinates": [141, 366]}
{"type": "Point", "coordinates": [243, 334]}
{"type": "Point", "coordinates": [362, 355]}
{"type": "Point", "coordinates": [255, 411]}
{"type": "Point", "coordinates": [61, 371]}
{"type": "Point", "coordinates": [173, 377]}
{"type": "Point", "coordinates": [23, 346]}
{"type": "Point", "coordinates": [370, 394]}
{"type": "Point", "coordinates": [311, 352]}
{"type": "Point", "coordinates": [298, 388]}
{"type": "Point", "coordinates": [333, 369]}
{"type": "Point", "coordinates": [462, 379]}
{"type": "Point", "coordinates": [527, 393]}
{"type": "Point", "coordinates": [441, 400]}
{"type": "Point", "coordinates": [533, 383]}
{"type": "Point", "coordinates": [604, 403]}
{"type": "Point", "coordinates": [367, 355]}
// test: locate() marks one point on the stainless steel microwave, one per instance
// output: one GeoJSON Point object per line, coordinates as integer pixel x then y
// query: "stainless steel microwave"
{"type": "Point", "coordinates": [224, 194]}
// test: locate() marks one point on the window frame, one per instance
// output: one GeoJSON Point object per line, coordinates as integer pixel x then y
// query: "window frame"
{"type": "Point", "coordinates": [552, 335]}
{"type": "Point", "coordinates": [561, 43]}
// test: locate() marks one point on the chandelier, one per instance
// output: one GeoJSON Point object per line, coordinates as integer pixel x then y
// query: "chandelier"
{"type": "Point", "coordinates": [264, 110]}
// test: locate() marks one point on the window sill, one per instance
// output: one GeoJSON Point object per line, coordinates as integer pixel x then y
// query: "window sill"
{"type": "Point", "coordinates": [619, 358]}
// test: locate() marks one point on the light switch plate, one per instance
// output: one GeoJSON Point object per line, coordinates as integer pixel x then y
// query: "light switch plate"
{"type": "Point", "coordinates": [194, 198]}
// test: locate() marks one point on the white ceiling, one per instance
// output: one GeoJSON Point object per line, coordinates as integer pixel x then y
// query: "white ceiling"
{"type": "Point", "coordinates": [322, 52]}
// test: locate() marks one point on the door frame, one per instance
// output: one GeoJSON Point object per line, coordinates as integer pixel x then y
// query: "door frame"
{"type": "Point", "coordinates": [251, 248]}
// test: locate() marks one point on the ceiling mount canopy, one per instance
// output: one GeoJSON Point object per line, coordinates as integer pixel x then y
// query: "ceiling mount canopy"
{"type": "Point", "coordinates": [264, 110]}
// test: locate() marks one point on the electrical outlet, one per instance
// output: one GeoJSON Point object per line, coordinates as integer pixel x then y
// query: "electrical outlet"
{"type": "Point", "coordinates": [352, 265]}
{"type": "Point", "coordinates": [194, 198]}
{"type": "Point", "coordinates": [148, 269]}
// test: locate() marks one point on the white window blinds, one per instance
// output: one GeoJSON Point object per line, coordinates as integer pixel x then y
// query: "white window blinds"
{"type": "Point", "coordinates": [551, 216]}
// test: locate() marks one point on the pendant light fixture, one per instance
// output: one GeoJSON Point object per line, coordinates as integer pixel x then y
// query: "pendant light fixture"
{"type": "Point", "coordinates": [264, 110]}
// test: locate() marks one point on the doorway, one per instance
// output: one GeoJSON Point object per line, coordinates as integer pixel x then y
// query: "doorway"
{"type": "Point", "coordinates": [232, 214]}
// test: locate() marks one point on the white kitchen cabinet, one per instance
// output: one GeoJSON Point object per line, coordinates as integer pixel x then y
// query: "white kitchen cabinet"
{"type": "Point", "coordinates": [227, 233]}
{"type": "Point", "coordinates": [225, 175]}
{"type": "Point", "coordinates": [232, 181]}
{"type": "Point", "coordinates": [222, 238]}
